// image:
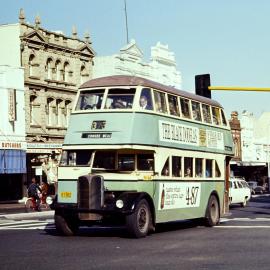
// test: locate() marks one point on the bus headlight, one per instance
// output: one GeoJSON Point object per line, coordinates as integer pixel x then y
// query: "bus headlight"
{"type": "Point", "coordinates": [49, 200]}
{"type": "Point", "coordinates": [119, 204]}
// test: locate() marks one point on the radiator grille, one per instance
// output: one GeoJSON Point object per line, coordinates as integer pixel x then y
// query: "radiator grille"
{"type": "Point", "coordinates": [90, 191]}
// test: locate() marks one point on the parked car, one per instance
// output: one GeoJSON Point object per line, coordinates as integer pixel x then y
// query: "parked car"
{"type": "Point", "coordinates": [259, 190]}
{"type": "Point", "coordinates": [239, 191]}
{"type": "Point", "coordinates": [252, 185]}
{"type": "Point", "coordinates": [255, 188]}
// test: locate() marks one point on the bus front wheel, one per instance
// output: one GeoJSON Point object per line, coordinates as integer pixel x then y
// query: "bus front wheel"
{"type": "Point", "coordinates": [65, 224]}
{"type": "Point", "coordinates": [139, 221]}
{"type": "Point", "coordinates": [212, 212]}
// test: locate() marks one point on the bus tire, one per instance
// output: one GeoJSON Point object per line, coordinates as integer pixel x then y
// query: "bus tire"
{"type": "Point", "coordinates": [66, 225]}
{"type": "Point", "coordinates": [212, 212]}
{"type": "Point", "coordinates": [139, 221]}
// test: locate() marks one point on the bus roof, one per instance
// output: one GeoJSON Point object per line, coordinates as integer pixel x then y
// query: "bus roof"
{"type": "Point", "coordinates": [126, 80]}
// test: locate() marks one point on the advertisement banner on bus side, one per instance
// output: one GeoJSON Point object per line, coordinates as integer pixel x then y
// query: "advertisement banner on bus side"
{"type": "Point", "coordinates": [189, 135]}
{"type": "Point", "coordinates": [179, 195]}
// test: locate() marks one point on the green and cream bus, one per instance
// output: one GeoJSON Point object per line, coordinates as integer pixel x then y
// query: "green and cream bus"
{"type": "Point", "coordinates": [142, 153]}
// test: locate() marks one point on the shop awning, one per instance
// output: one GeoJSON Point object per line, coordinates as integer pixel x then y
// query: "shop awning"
{"type": "Point", "coordinates": [12, 161]}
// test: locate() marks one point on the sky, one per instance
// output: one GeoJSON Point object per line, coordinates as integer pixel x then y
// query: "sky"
{"type": "Point", "coordinates": [229, 39]}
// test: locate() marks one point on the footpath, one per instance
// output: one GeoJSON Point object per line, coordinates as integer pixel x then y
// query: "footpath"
{"type": "Point", "coordinates": [16, 207]}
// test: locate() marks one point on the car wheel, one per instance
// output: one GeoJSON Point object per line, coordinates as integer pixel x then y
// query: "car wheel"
{"type": "Point", "coordinates": [244, 203]}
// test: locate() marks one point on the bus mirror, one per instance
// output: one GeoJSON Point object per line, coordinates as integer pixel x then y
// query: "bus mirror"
{"type": "Point", "coordinates": [202, 82]}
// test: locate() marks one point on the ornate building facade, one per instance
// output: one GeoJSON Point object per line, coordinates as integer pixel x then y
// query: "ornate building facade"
{"type": "Point", "coordinates": [129, 61]}
{"type": "Point", "coordinates": [54, 67]}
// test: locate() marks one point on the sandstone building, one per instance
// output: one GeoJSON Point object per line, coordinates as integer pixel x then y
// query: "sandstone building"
{"type": "Point", "coordinates": [54, 67]}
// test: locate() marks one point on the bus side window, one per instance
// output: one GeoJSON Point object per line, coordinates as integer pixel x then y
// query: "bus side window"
{"type": "Point", "coordinates": [185, 107]}
{"type": "Point", "coordinates": [188, 166]}
{"type": "Point", "coordinates": [223, 118]}
{"type": "Point", "coordinates": [209, 168]}
{"type": "Point", "coordinates": [173, 105]}
{"type": "Point", "coordinates": [166, 168]}
{"type": "Point", "coordinates": [176, 166]}
{"type": "Point", "coordinates": [217, 170]}
{"type": "Point", "coordinates": [198, 167]}
{"type": "Point", "coordinates": [196, 111]}
{"type": "Point", "coordinates": [146, 102]}
{"type": "Point", "coordinates": [160, 102]}
{"type": "Point", "coordinates": [216, 116]}
{"type": "Point", "coordinates": [206, 113]}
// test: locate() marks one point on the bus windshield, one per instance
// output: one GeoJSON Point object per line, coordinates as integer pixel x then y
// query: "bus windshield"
{"type": "Point", "coordinates": [90, 100]}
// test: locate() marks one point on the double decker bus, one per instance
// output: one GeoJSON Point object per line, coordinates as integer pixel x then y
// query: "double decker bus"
{"type": "Point", "coordinates": [142, 153]}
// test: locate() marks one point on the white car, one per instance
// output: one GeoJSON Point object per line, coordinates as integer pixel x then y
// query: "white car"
{"type": "Point", "coordinates": [239, 191]}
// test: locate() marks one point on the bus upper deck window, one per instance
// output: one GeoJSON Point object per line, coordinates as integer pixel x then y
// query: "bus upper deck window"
{"type": "Point", "coordinates": [146, 99]}
{"type": "Point", "coordinates": [206, 113]}
{"type": "Point", "coordinates": [160, 102]}
{"type": "Point", "coordinates": [185, 107]}
{"type": "Point", "coordinates": [196, 111]}
{"type": "Point", "coordinates": [223, 118]}
{"type": "Point", "coordinates": [216, 116]}
{"type": "Point", "coordinates": [120, 98]}
{"type": "Point", "coordinates": [90, 100]}
{"type": "Point", "coordinates": [173, 105]}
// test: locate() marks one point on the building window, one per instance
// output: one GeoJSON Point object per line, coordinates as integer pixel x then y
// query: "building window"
{"type": "Point", "coordinates": [66, 71]}
{"type": "Point", "coordinates": [68, 110]}
{"type": "Point", "coordinates": [31, 65]}
{"type": "Point", "coordinates": [58, 70]}
{"type": "Point", "coordinates": [83, 75]}
{"type": "Point", "coordinates": [51, 112]}
{"type": "Point", "coordinates": [60, 113]}
{"type": "Point", "coordinates": [49, 68]}
{"type": "Point", "coordinates": [34, 110]}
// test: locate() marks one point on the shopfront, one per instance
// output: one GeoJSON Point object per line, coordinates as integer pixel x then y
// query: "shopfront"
{"type": "Point", "coordinates": [42, 162]}
{"type": "Point", "coordinates": [12, 170]}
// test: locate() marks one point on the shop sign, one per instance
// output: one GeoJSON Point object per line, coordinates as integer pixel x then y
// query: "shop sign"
{"type": "Point", "coordinates": [12, 145]}
{"type": "Point", "coordinates": [11, 105]}
{"type": "Point", "coordinates": [44, 145]}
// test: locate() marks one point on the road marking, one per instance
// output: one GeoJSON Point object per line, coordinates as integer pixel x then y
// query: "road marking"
{"type": "Point", "coordinates": [28, 225]}
{"type": "Point", "coordinates": [242, 226]}
{"type": "Point", "coordinates": [224, 220]}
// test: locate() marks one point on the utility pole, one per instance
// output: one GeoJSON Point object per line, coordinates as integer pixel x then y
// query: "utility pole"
{"type": "Point", "coordinates": [126, 21]}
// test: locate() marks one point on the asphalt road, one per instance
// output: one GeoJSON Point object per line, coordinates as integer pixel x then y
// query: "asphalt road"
{"type": "Point", "coordinates": [241, 241]}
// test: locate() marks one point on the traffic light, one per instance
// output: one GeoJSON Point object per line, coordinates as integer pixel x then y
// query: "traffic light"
{"type": "Point", "coordinates": [201, 85]}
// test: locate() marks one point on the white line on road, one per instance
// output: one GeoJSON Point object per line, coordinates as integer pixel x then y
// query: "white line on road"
{"type": "Point", "coordinates": [242, 226]}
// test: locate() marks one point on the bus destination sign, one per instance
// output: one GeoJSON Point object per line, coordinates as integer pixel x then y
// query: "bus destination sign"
{"type": "Point", "coordinates": [96, 135]}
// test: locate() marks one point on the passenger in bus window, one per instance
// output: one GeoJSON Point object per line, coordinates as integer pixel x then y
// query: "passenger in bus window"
{"type": "Point", "coordinates": [206, 113]}
{"type": "Point", "coordinates": [144, 103]}
{"type": "Point", "coordinates": [165, 170]}
{"type": "Point", "coordinates": [118, 104]}
{"type": "Point", "coordinates": [188, 172]}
